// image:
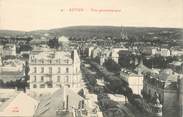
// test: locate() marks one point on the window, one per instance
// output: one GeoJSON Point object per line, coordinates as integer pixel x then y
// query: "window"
{"type": "Point", "coordinates": [50, 85]}
{"type": "Point", "coordinates": [42, 78]}
{"type": "Point", "coordinates": [42, 86]}
{"type": "Point", "coordinates": [67, 70]}
{"type": "Point", "coordinates": [35, 69]}
{"type": "Point", "coordinates": [59, 70]}
{"type": "Point", "coordinates": [42, 69]}
{"type": "Point", "coordinates": [50, 70]}
{"type": "Point", "coordinates": [50, 78]}
{"type": "Point", "coordinates": [34, 86]}
{"type": "Point", "coordinates": [58, 78]}
{"type": "Point", "coordinates": [67, 61]}
{"type": "Point", "coordinates": [34, 79]}
{"type": "Point", "coordinates": [67, 79]}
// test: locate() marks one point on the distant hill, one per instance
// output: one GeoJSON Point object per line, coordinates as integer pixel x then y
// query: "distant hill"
{"type": "Point", "coordinates": [102, 31]}
{"type": "Point", "coordinates": [11, 33]}
{"type": "Point", "coordinates": [114, 31]}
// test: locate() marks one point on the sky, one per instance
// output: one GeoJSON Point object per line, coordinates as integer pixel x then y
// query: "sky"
{"type": "Point", "coordinates": [30, 15]}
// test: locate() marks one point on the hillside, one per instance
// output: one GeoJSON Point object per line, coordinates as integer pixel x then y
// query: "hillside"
{"type": "Point", "coordinates": [90, 32]}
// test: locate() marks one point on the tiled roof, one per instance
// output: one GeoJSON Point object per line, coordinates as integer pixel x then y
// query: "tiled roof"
{"type": "Point", "coordinates": [57, 101]}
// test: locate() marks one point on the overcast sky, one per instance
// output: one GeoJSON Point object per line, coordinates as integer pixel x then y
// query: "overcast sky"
{"type": "Point", "coordinates": [46, 14]}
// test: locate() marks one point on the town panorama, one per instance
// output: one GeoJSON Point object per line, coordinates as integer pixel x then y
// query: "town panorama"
{"type": "Point", "coordinates": [92, 71]}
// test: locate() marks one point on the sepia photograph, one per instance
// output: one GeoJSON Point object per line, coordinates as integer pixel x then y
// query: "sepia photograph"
{"type": "Point", "coordinates": [91, 58]}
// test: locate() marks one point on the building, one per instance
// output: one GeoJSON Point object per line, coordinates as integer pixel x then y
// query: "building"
{"type": "Point", "coordinates": [176, 66]}
{"type": "Point", "coordinates": [11, 70]}
{"type": "Point", "coordinates": [1, 50]}
{"type": "Point", "coordinates": [156, 51]}
{"type": "Point", "coordinates": [165, 86]}
{"type": "Point", "coordinates": [1, 62]}
{"type": "Point", "coordinates": [135, 81]}
{"type": "Point", "coordinates": [51, 70]}
{"type": "Point", "coordinates": [41, 48]}
{"type": "Point", "coordinates": [9, 50]}
{"type": "Point", "coordinates": [103, 56]}
{"type": "Point", "coordinates": [90, 51]}
{"type": "Point", "coordinates": [91, 104]}
{"type": "Point", "coordinates": [38, 41]}
{"type": "Point", "coordinates": [17, 105]}
{"type": "Point", "coordinates": [66, 103]}
{"type": "Point", "coordinates": [61, 103]}
{"type": "Point", "coordinates": [180, 97]}
{"type": "Point", "coordinates": [115, 53]}
{"type": "Point", "coordinates": [176, 52]}
{"type": "Point", "coordinates": [95, 52]}
{"type": "Point", "coordinates": [163, 52]}
{"type": "Point", "coordinates": [149, 50]}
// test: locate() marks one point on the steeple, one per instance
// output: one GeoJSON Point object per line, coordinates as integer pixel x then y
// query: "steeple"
{"type": "Point", "coordinates": [123, 34]}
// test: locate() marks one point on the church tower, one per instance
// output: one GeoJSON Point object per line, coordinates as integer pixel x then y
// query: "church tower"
{"type": "Point", "coordinates": [123, 34]}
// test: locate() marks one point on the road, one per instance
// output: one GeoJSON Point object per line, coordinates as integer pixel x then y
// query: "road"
{"type": "Point", "coordinates": [95, 71]}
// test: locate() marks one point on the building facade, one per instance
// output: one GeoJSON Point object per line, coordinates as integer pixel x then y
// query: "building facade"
{"type": "Point", "coordinates": [135, 81]}
{"type": "Point", "coordinates": [9, 50]}
{"type": "Point", "coordinates": [52, 70]}
{"type": "Point", "coordinates": [165, 85]}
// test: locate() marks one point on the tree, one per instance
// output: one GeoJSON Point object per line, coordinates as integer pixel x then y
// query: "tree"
{"type": "Point", "coordinates": [53, 43]}
{"type": "Point", "coordinates": [112, 66]}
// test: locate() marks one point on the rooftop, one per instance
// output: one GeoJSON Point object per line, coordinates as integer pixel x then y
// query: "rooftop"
{"type": "Point", "coordinates": [168, 75]}
{"type": "Point", "coordinates": [56, 56]}
{"type": "Point", "coordinates": [57, 101]}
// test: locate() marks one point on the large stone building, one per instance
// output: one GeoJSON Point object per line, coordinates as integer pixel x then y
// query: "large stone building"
{"type": "Point", "coordinates": [52, 70]}
{"type": "Point", "coordinates": [166, 85]}
{"type": "Point", "coordinates": [135, 81]}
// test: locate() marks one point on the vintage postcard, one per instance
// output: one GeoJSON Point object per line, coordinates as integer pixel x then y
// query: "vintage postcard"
{"type": "Point", "coordinates": [91, 58]}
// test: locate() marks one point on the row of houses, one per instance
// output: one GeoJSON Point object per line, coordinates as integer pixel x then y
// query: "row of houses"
{"type": "Point", "coordinates": [103, 54]}
{"type": "Point", "coordinates": [55, 79]}
{"type": "Point", "coordinates": [161, 51]}
{"type": "Point", "coordinates": [63, 102]}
